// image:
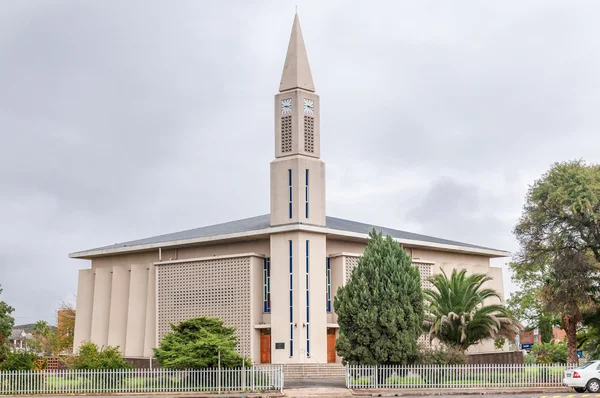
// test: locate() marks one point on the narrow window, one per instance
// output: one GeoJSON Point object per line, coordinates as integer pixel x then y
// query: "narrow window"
{"type": "Point", "coordinates": [291, 304]}
{"type": "Point", "coordinates": [306, 194]}
{"type": "Point", "coordinates": [307, 305]}
{"type": "Point", "coordinates": [267, 285]}
{"type": "Point", "coordinates": [328, 292]}
{"type": "Point", "coordinates": [290, 189]}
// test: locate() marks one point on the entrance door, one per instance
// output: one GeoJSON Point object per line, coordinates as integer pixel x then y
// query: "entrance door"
{"type": "Point", "coordinates": [331, 346]}
{"type": "Point", "coordinates": [265, 346]}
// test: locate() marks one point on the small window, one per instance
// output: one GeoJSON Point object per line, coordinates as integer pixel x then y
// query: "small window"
{"type": "Point", "coordinates": [290, 191]}
{"type": "Point", "coordinates": [267, 285]}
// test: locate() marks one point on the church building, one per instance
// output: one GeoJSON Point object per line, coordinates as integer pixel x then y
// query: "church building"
{"type": "Point", "coordinates": [274, 276]}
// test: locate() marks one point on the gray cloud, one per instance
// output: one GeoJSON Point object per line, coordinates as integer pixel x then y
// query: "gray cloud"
{"type": "Point", "coordinates": [125, 120]}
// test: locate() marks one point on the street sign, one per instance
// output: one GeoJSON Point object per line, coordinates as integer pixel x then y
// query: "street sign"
{"type": "Point", "coordinates": [579, 354]}
{"type": "Point", "coordinates": [526, 346]}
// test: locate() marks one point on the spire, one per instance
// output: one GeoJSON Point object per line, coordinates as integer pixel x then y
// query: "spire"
{"type": "Point", "coordinates": [296, 71]}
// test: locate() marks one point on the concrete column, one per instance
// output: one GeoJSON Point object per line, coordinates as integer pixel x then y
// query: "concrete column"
{"type": "Point", "coordinates": [338, 276]}
{"type": "Point", "coordinates": [256, 305]}
{"type": "Point", "coordinates": [136, 313]}
{"type": "Point", "coordinates": [118, 307]}
{"type": "Point", "coordinates": [317, 285]}
{"type": "Point", "coordinates": [101, 309]}
{"type": "Point", "coordinates": [150, 333]}
{"type": "Point", "coordinates": [85, 300]}
{"type": "Point", "coordinates": [280, 292]}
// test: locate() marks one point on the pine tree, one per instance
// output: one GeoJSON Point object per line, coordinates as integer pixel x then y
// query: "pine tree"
{"type": "Point", "coordinates": [380, 309]}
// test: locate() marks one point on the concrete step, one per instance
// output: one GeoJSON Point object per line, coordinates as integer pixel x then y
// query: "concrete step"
{"type": "Point", "coordinates": [313, 370]}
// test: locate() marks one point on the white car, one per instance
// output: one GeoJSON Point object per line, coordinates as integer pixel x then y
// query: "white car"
{"type": "Point", "coordinates": [584, 377]}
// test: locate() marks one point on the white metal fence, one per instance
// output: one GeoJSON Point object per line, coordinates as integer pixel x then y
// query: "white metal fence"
{"type": "Point", "coordinates": [455, 376]}
{"type": "Point", "coordinates": [256, 378]}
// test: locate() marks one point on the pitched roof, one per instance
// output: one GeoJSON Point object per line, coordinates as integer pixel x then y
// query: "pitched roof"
{"type": "Point", "coordinates": [17, 334]}
{"type": "Point", "coordinates": [262, 222]}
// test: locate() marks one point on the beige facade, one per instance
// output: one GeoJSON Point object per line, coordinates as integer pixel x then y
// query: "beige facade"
{"type": "Point", "coordinates": [272, 277]}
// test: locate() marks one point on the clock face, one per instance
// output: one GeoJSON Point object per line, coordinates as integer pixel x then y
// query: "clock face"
{"type": "Point", "coordinates": [309, 106]}
{"type": "Point", "coordinates": [286, 106]}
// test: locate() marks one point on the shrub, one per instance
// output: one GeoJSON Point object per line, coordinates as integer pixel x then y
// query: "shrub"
{"type": "Point", "coordinates": [197, 343]}
{"type": "Point", "coordinates": [549, 353]}
{"type": "Point", "coordinates": [442, 355]}
{"type": "Point", "coordinates": [529, 359]}
{"type": "Point", "coordinates": [91, 357]}
{"type": "Point", "coordinates": [23, 360]}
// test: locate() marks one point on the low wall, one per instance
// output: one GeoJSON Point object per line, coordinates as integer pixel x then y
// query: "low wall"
{"type": "Point", "coordinates": [142, 363]}
{"type": "Point", "coordinates": [496, 358]}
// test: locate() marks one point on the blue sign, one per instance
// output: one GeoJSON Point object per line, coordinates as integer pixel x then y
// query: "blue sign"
{"type": "Point", "coordinates": [579, 354]}
{"type": "Point", "coordinates": [526, 346]}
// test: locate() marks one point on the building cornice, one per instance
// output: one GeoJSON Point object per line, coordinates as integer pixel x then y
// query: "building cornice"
{"type": "Point", "coordinates": [226, 256]}
{"type": "Point", "coordinates": [265, 232]}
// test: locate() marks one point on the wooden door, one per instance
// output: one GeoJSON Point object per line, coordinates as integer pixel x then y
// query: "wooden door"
{"type": "Point", "coordinates": [265, 348]}
{"type": "Point", "coordinates": [331, 346]}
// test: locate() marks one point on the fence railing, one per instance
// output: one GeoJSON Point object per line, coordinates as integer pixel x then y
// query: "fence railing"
{"type": "Point", "coordinates": [256, 378]}
{"type": "Point", "coordinates": [455, 376]}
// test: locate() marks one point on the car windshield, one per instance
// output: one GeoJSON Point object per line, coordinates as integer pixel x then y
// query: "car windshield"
{"type": "Point", "coordinates": [585, 365]}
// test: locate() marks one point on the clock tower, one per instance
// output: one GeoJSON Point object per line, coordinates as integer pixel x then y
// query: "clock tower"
{"type": "Point", "coordinates": [297, 173]}
{"type": "Point", "coordinates": [298, 318]}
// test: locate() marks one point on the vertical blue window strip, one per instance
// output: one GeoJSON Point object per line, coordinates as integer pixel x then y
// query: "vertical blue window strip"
{"type": "Point", "coordinates": [267, 285]}
{"type": "Point", "coordinates": [291, 302]}
{"type": "Point", "coordinates": [328, 283]}
{"type": "Point", "coordinates": [307, 300]}
{"type": "Point", "coordinates": [306, 194]}
{"type": "Point", "coordinates": [290, 189]}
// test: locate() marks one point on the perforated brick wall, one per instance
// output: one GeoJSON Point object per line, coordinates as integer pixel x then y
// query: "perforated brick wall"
{"type": "Point", "coordinates": [351, 263]}
{"type": "Point", "coordinates": [215, 288]}
{"type": "Point", "coordinates": [309, 134]}
{"type": "Point", "coordinates": [286, 134]}
{"type": "Point", "coordinates": [425, 271]}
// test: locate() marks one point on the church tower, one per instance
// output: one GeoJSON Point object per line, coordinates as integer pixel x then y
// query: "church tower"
{"type": "Point", "coordinates": [298, 318]}
{"type": "Point", "coordinates": [297, 173]}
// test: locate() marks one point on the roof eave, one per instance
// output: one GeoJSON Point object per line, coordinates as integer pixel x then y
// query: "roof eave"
{"type": "Point", "coordinates": [89, 254]}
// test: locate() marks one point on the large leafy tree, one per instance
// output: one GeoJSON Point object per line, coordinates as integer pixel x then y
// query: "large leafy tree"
{"type": "Point", "coordinates": [197, 343]}
{"type": "Point", "coordinates": [526, 305]}
{"type": "Point", "coordinates": [6, 324]}
{"type": "Point", "coordinates": [559, 237]}
{"type": "Point", "coordinates": [457, 313]}
{"type": "Point", "coordinates": [380, 309]}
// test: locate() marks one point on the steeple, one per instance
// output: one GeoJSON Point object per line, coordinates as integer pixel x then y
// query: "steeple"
{"type": "Point", "coordinates": [297, 173]}
{"type": "Point", "coordinates": [296, 71]}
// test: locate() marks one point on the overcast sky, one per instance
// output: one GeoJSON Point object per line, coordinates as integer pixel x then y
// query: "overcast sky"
{"type": "Point", "coordinates": [122, 120]}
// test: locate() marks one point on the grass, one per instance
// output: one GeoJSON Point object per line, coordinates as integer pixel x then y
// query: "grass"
{"type": "Point", "coordinates": [106, 383]}
{"type": "Point", "coordinates": [455, 377]}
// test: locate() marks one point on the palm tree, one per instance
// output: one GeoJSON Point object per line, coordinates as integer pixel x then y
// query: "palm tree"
{"type": "Point", "coordinates": [457, 316]}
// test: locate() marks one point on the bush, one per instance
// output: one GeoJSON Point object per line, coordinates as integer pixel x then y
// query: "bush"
{"type": "Point", "coordinates": [529, 359]}
{"type": "Point", "coordinates": [91, 357]}
{"type": "Point", "coordinates": [549, 353]}
{"type": "Point", "coordinates": [197, 343]}
{"type": "Point", "coordinates": [23, 360]}
{"type": "Point", "coordinates": [442, 355]}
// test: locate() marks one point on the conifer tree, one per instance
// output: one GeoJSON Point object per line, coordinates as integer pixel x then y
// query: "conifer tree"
{"type": "Point", "coordinates": [380, 309]}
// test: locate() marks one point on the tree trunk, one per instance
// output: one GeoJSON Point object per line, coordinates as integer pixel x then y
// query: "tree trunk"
{"type": "Point", "coordinates": [572, 340]}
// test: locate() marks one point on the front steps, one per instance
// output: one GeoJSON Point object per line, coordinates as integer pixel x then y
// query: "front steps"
{"type": "Point", "coordinates": [313, 371]}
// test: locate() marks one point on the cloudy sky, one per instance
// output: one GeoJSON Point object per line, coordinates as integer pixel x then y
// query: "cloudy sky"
{"type": "Point", "coordinates": [122, 120]}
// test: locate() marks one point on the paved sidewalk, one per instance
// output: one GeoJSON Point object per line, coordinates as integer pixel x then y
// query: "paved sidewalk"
{"type": "Point", "coordinates": [424, 392]}
{"type": "Point", "coordinates": [318, 392]}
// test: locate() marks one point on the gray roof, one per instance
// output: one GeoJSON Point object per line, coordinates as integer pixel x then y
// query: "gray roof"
{"type": "Point", "coordinates": [263, 222]}
{"type": "Point", "coordinates": [17, 334]}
